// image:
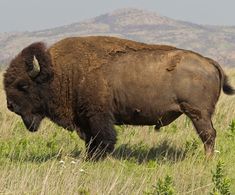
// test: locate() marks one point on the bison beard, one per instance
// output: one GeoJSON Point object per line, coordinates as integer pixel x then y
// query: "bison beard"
{"type": "Point", "coordinates": [88, 84]}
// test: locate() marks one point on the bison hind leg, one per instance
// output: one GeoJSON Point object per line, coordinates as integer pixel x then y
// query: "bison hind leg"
{"type": "Point", "coordinates": [201, 119]}
{"type": "Point", "coordinates": [101, 136]}
{"type": "Point", "coordinates": [167, 119]}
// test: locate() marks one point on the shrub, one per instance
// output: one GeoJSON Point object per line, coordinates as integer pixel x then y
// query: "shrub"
{"type": "Point", "coordinates": [220, 181]}
{"type": "Point", "coordinates": [163, 187]}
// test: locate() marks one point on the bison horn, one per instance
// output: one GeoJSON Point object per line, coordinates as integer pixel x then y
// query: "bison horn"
{"type": "Point", "coordinates": [36, 68]}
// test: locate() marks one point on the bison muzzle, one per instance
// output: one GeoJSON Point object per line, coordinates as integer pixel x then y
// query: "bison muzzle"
{"type": "Point", "coordinates": [88, 84]}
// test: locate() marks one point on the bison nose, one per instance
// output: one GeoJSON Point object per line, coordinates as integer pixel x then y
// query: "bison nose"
{"type": "Point", "coordinates": [10, 105]}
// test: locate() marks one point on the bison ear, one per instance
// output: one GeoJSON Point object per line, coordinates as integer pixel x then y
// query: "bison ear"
{"type": "Point", "coordinates": [38, 62]}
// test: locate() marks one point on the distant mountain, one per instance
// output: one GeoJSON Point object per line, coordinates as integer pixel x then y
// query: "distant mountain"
{"type": "Point", "coordinates": [217, 42]}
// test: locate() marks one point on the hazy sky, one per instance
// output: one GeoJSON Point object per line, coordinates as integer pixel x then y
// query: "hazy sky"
{"type": "Point", "coordinates": [28, 15]}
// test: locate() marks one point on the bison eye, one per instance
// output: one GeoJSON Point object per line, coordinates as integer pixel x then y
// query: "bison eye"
{"type": "Point", "coordinates": [22, 86]}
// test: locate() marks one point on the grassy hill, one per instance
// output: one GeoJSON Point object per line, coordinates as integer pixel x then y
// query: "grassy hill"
{"type": "Point", "coordinates": [217, 42]}
{"type": "Point", "coordinates": [144, 162]}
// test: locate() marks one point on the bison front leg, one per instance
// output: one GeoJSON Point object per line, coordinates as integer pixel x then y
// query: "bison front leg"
{"type": "Point", "coordinates": [101, 136]}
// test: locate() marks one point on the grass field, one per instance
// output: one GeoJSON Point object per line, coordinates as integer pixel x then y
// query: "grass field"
{"type": "Point", "coordinates": [171, 161]}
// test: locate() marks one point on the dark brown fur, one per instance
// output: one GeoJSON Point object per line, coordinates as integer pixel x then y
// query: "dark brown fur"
{"type": "Point", "coordinates": [88, 84]}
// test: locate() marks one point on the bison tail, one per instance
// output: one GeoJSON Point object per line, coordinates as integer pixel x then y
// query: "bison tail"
{"type": "Point", "coordinates": [227, 88]}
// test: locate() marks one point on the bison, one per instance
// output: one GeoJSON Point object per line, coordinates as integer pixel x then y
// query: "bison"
{"type": "Point", "coordinates": [89, 84]}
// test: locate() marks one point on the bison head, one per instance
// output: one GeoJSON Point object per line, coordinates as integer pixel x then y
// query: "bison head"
{"type": "Point", "coordinates": [26, 83]}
